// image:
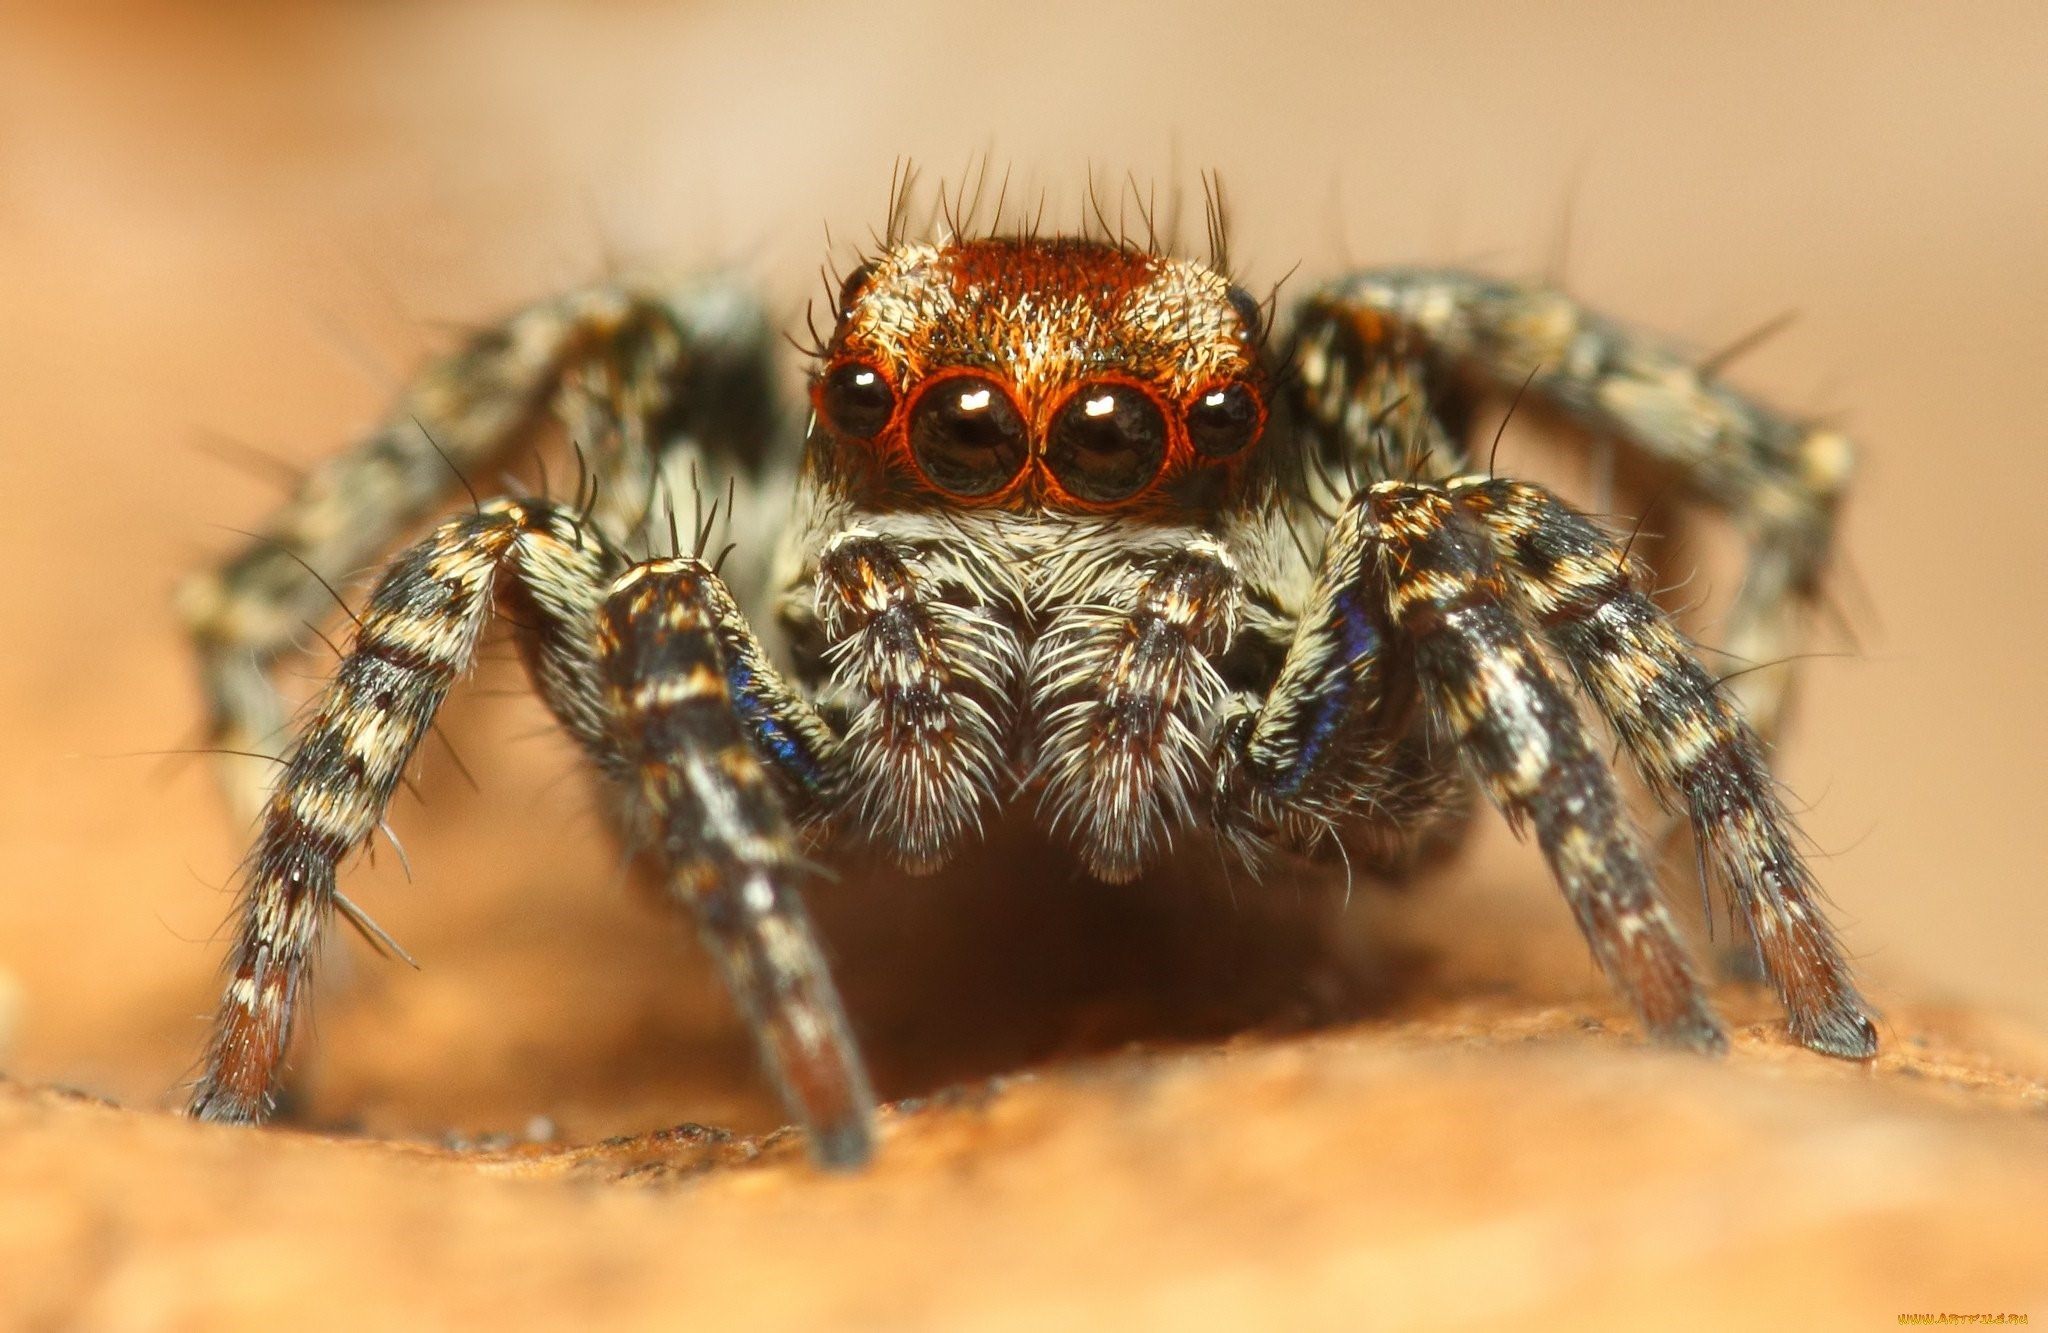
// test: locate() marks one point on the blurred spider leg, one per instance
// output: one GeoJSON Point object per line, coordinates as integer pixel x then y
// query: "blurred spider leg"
{"type": "Point", "coordinates": [1522, 734]}
{"type": "Point", "coordinates": [1123, 683]}
{"type": "Point", "coordinates": [683, 393]}
{"type": "Point", "coordinates": [1780, 479]}
{"type": "Point", "coordinates": [637, 356]}
{"type": "Point", "coordinates": [709, 805]}
{"type": "Point", "coordinates": [1687, 739]}
{"type": "Point", "coordinates": [417, 634]}
{"type": "Point", "coordinates": [930, 675]}
{"type": "Point", "coordinates": [1375, 407]}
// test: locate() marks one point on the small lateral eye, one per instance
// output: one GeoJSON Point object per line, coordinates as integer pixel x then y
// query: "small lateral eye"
{"type": "Point", "coordinates": [1222, 420]}
{"type": "Point", "coordinates": [856, 400]}
{"type": "Point", "coordinates": [968, 436]}
{"type": "Point", "coordinates": [850, 290]}
{"type": "Point", "coordinates": [1107, 443]}
{"type": "Point", "coordinates": [1250, 314]}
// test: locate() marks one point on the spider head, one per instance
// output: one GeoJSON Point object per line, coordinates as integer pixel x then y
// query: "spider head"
{"type": "Point", "coordinates": [1060, 374]}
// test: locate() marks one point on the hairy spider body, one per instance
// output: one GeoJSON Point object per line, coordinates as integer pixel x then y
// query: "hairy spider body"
{"type": "Point", "coordinates": [1067, 532]}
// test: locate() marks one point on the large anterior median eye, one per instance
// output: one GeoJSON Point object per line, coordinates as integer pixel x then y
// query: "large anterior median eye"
{"type": "Point", "coordinates": [967, 435]}
{"type": "Point", "coordinates": [1106, 443]}
{"type": "Point", "coordinates": [856, 400]}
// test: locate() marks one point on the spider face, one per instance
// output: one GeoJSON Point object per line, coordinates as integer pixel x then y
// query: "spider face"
{"type": "Point", "coordinates": [1061, 376]}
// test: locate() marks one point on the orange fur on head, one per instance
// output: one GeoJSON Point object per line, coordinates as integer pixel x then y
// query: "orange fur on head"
{"type": "Point", "coordinates": [1041, 319]}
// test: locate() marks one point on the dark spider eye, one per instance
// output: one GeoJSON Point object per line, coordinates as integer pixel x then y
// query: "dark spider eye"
{"type": "Point", "coordinates": [850, 290]}
{"type": "Point", "coordinates": [856, 400]}
{"type": "Point", "coordinates": [1249, 313]}
{"type": "Point", "coordinates": [1223, 420]}
{"type": "Point", "coordinates": [1106, 443]}
{"type": "Point", "coordinates": [967, 435]}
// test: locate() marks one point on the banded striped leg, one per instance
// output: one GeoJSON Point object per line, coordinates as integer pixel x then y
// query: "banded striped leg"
{"type": "Point", "coordinates": [1334, 746]}
{"type": "Point", "coordinates": [1436, 336]}
{"type": "Point", "coordinates": [1399, 561]}
{"type": "Point", "coordinates": [416, 635]}
{"type": "Point", "coordinates": [1687, 739]}
{"type": "Point", "coordinates": [709, 805]}
{"type": "Point", "coordinates": [629, 373]}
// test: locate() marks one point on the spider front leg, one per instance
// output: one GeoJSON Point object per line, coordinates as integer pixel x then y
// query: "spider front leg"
{"type": "Point", "coordinates": [1411, 347]}
{"type": "Point", "coordinates": [1690, 743]}
{"type": "Point", "coordinates": [666, 690]}
{"type": "Point", "coordinates": [633, 376]}
{"type": "Point", "coordinates": [708, 803]}
{"type": "Point", "coordinates": [1402, 574]}
{"type": "Point", "coordinates": [417, 634]}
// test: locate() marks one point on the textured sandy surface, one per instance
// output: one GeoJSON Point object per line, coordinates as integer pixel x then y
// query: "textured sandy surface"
{"type": "Point", "coordinates": [1482, 1164]}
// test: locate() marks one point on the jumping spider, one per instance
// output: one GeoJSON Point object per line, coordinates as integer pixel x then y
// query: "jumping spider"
{"type": "Point", "coordinates": [1068, 529]}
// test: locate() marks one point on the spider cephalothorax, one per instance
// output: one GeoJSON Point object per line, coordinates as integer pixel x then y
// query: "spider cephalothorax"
{"type": "Point", "coordinates": [1063, 375]}
{"type": "Point", "coordinates": [1063, 534]}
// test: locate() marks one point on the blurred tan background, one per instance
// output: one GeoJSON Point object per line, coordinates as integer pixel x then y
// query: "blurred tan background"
{"type": "Point", "coordinates": [245, 222]}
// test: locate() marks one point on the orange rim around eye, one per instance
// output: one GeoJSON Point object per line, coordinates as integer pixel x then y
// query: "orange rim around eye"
{"type": "Point", "coordinates": [1107, 442]}
{"type": "Point", "coordinates": [966, 435]}
{"type": "Point", "coordinates": [1224, 419]}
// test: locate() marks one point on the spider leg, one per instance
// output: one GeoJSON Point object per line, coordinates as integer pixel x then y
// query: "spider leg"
{"type": "Point", "coordinates": [554, 627]}
{"type": "Point", "coordinates": [1688, 740]}
{"type": "Point", "coordinates": [1337, 743]}
{"type": "Point", "coordinates": [1401, 569]}
{"type": "Point", "coordinates": [1401, 343]}
{"type": "Point", "coordinates": [708, 803]}
{"type": "Point", "coordinates": [415, 636]}
{"type": "Point", "coordinates": [630, 374]}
